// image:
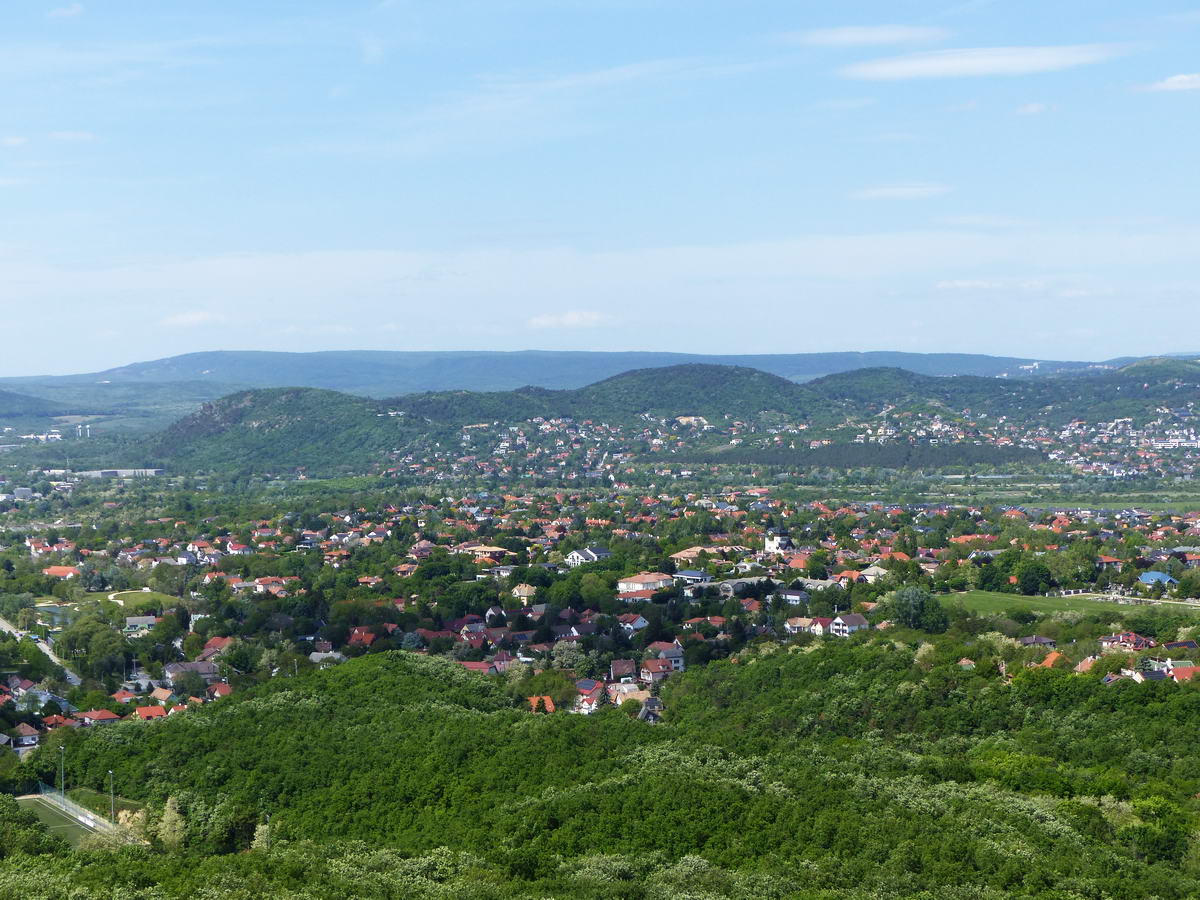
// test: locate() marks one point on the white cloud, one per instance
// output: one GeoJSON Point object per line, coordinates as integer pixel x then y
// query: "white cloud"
{"type": "Point", "coordinates": [1031, 109]}
{"type": "Point", "coordinates": [576, 318]}
{"type": "Point", "coordinates": [669, 295]}
{"type": "Point", "coordinates": [968, 284]}
{"type": "Point", "coordinates": [847, 103]}
{"type": "Point", "coordinates": [12, 182]}
{"type": "Point", "coordinates": [1062, 287]}
{"type": "Point", "coordinates": [72, 136]}
{"type": "Point", "coordinates": [13, 141]}
{"type": "Point", "coordinates": [1189, 82]}
{"type": "Point", "coordinates": [984, 221]}
{"type": "Point", "coordinates": [193, 319]}
{"type": "Point", "coordinates": [373, 50]}
{"type": "Point", "coordinates": [980, 61]}
{"type": "Point", "coordinates": [507, 111]}
{"type": "Point", "coordinates": [914, 191]}
{"type": "Point", "coordinates": [869, 35]}
{"type": "Point", "coordinates": [66, 12]}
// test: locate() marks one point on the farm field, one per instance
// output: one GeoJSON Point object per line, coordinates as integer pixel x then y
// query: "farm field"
{"type": "Point", "coordinates": [994, 602]}
{"type": "Point", "coordinates": [56, 821]}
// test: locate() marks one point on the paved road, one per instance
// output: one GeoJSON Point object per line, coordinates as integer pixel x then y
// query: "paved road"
{"type": "Point", "coordinates": [45, 648]}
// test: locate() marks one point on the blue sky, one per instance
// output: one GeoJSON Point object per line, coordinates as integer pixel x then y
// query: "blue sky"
{"type": "Point", "coordinates": [976, 176]}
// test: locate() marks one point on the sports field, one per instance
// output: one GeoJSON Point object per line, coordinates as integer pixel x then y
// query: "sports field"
{"type": "Point", "coordinates": [56, 821]}
{"type": "Point", "coordinates": [993, 602]}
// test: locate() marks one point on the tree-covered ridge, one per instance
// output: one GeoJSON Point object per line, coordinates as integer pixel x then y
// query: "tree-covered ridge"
{"type": "Point", "coordinates": [1135, 391]}
{"type": "Point", "coordinates": [289, 427]}
{"type": "Point", "coordinates": [388, 373]}
{"type": "Point", "coordinates": [686, 390]}
{"type": "Point", "coordinates": [867, 768]}
{"type": "Point", "coordinates": [712, 408]}
{"type": "Point", "coordinates": [14, 405]}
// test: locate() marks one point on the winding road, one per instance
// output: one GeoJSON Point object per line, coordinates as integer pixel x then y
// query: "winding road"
{"type": "Point", "coordinates": [45, 648]}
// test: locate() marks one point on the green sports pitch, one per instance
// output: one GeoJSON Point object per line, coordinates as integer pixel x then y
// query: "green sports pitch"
{"type": "Point", "coordinates": [992, 602]}
{"type": "Point", "coordinates": [56, 821]}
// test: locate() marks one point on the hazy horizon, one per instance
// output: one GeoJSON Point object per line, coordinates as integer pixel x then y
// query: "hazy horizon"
{"type": "Point", "coordinates": [731, 354]}
{"type": "Point", "coordinates": [1007, 179]}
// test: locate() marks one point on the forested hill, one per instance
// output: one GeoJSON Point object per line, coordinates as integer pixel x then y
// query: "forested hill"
{"type": "Point", "coordinates": [284, 428]}
{"type": "Point", "coordinates": [14, 405]}
{"type": "Point", "coordinates": [262, 430]}
{"type": "Point", "coordinates": [1135, 391]}
{"type": "Point", "coordinates": [694, 389]}
{"type": "Point", "coordinates": [849, 772]}
{"type": "Point", "coordinates": [389, 373]}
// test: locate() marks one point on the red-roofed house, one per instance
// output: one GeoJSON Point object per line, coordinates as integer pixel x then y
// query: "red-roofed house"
{"type": "Point", "coordinates": [61, 572]}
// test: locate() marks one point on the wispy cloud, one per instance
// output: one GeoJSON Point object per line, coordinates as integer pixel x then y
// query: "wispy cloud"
{"type": "Point", "coordinates": [1190, 82]}
{"type": "Point", "coordinates": [911, 191]}
{"type": "Point", "coordinates": [1062, 287]}
{"type": "Point", "coordinates": [76, 137]}
{"type": "Point", "coordinates": [66, 12]}
{"type": "Point", "coordinates": [193, 319]}
{"type": "Point", "coordinates": [847, 103]}
{"type": "Point", "coordinates": [516, 111]}
{"type": "Point", "coordinates": [12, 182]}
{"type": "Point", "coordinates": [372, 49]}
{"type": "Point", "coordinates": [981, 61]}
{"type": "Point", "coordinates": [984, 221]}
{"type": "Point", "coordinates": [868, 35]}
{"type": "Point", "coordinates": [576, 318]}
{"type": "Point", "coordinates": [13, 141]}
{"type": "Point", "coordinates": [1031, 109]}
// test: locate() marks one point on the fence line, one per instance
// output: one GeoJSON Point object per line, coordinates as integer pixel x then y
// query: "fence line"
{"type": "Point", "coordinates": [82, 814]}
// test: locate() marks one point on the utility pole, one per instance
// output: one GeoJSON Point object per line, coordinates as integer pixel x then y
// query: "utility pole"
{"type": "Point", "coordinates": [62, 771]}
{"type": "Point", "coordinates": [112, 798]}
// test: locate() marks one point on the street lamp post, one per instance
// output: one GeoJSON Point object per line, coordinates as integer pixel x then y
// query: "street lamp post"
{"type": "Point", "coordinates": [112, 798]}
{"type": "Point", "coordinates": [62, 771]}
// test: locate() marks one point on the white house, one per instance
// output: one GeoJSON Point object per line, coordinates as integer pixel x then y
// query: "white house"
{"type": "Point", "coordinates": [846, 624]}
{"type": "Point", "coordinates": [645, 581]}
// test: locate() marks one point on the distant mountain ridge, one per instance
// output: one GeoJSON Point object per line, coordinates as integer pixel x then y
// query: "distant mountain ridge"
{"type": "Point", "coordinates": [276, 428]}
{"type": "Point", "coordinates": [383, 373]}
{"type": "Point", "coordinates": [15, 405]}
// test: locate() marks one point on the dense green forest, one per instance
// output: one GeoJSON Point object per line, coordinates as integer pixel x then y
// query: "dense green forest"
{"type": "Point", "coordinates": [715, 391]}
{"type": "Point", "coordinates": [14, 405]}
{"type": "Point", "coordinates": [872, 767]}
{"type": "Point", "coordinates": [282, 429]}
{"type": "Point", "coordinates": [388, 373]}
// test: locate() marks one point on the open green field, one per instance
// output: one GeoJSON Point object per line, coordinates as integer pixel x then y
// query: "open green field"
{"type": "Point", "coordinates": [137, 599]}
{"type": "Point", "coordinates": [56, 821]}
{"type": "Point", "coordinates": [994, 602]}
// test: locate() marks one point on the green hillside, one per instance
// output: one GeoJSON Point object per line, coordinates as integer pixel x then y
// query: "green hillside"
{"type": "Point", "coordinates": [278, 428]}
{"type": "Point", "coordinates": [1158, 367]}
{"type": "Point", "coordinates": [715, 391]}
{"type": "Point", "coordinates": [848, 772]}
{"type": "Point", "coordinates": [14, 405]}
{"type": "Point", "coordinates": [381, 373]}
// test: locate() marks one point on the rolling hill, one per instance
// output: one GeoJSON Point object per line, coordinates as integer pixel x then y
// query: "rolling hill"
{"type": "Point", "coordinates": [14, 405]}
{"type": "Point", "coordinates": [264, 430]}
{"type": "Point", "coordinates": [390, 373]}
{"type": "Point", "coordinates": [692, 389]}
{"type": "Point", "coordinates": [845, 773]}
{"type": "Point", "coordinates": [276, 429]}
